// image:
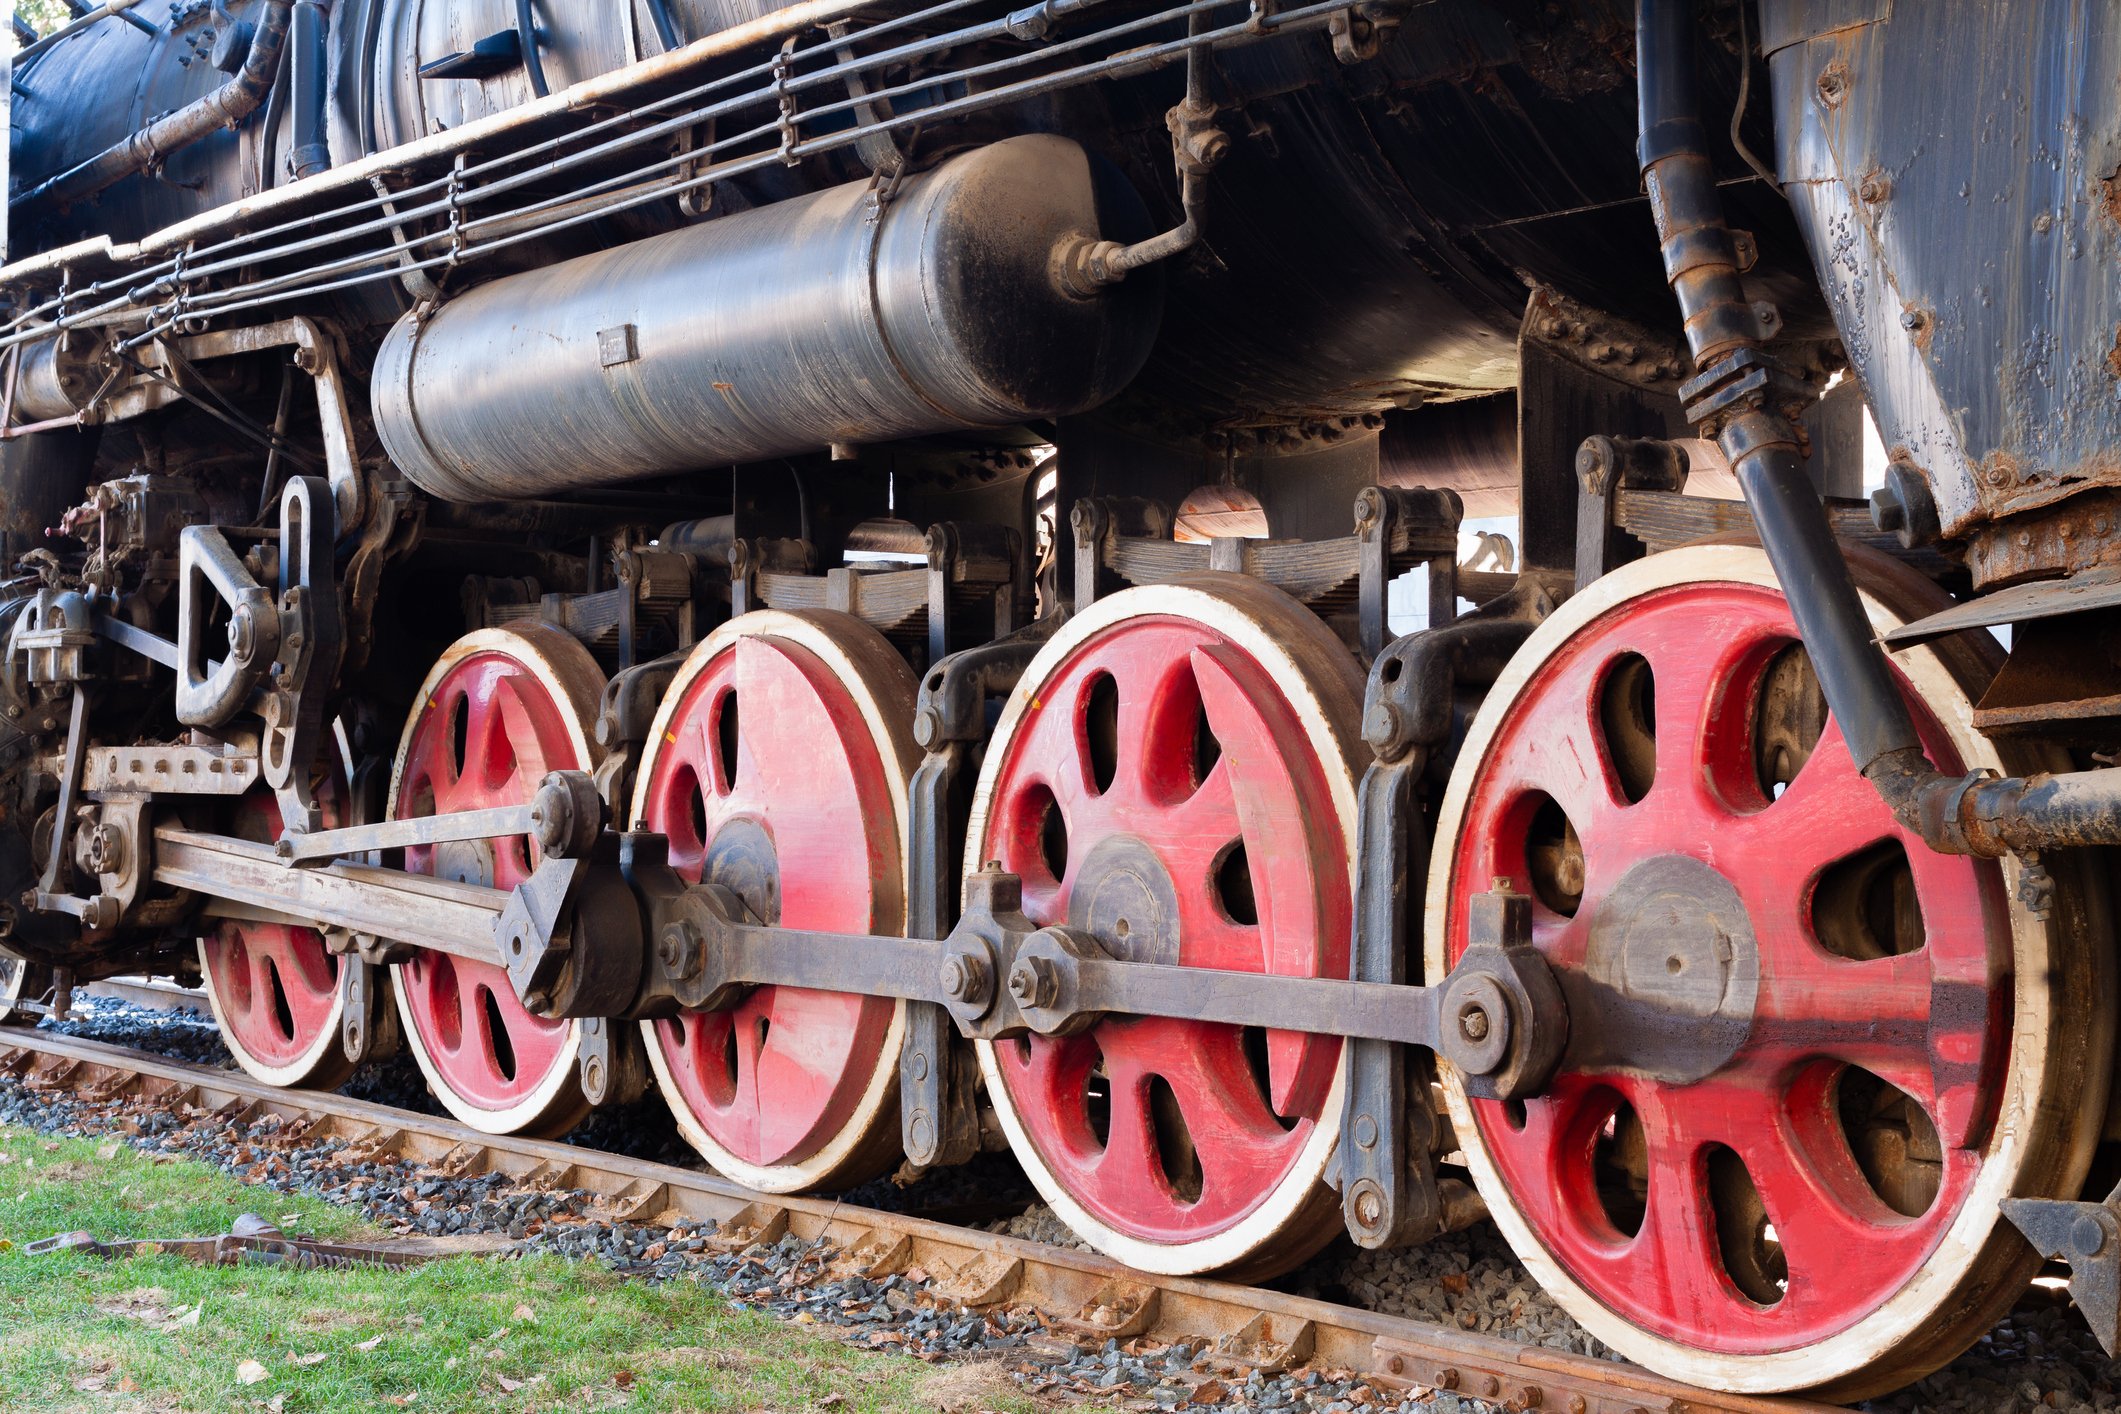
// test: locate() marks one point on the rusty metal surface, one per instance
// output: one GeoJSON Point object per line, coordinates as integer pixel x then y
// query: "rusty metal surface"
{"type": "Point", "coordinates": [1969, 261]}
{"type": "Point", "coordinates": [1252, 1326]}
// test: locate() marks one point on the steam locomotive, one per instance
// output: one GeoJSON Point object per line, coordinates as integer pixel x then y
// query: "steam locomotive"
{"type": "Point", "coordinates": [837, 562]}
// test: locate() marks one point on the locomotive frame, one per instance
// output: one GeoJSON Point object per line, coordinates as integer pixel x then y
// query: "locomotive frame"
{"type": "Point", "coordinates": [1288, 920]}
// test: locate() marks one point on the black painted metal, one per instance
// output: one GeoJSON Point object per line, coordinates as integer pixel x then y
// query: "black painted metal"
{"type": "Point", "coordinates": [774, 332]}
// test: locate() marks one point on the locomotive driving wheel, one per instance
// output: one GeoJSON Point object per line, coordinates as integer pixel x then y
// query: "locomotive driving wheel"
{"type": "Point", "coordinates": [1808, 1055]}
{"type": "Point", "coordinates": [778, 768]}
{"type": "Point", "coordinates": [274, 987]}
{"type": "Point", "coordinates": [1175, 775]}
{"type": "Point", "coordinates": [498, 712]}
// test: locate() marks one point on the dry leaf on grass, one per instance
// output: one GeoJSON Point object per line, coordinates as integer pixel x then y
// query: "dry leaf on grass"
{"type": "Point", "coordinates": [623, 1379]}
{"type": "Point", "coordinates": [250, 1372]}
{"type": "Point", "coordinates": [524, 1313]}
{"type": "Point", "coordinates": [369, 1344]}
{"type": "Point", "coordinates": [107, 1152]}
{"type": "Point", "coordinates": [316, 1357]}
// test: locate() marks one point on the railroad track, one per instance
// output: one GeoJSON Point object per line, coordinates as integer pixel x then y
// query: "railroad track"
{"type": "Point", "coordinates": [1086, 1296]}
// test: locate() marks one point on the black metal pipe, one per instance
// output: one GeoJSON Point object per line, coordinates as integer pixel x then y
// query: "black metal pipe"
{"type": "Point", "coordinates": [1757, 434]}
{"type": "Point", "coordinates": [310, 81]}
{"type": "Point", "coordinates": [666, 29]}
{"type": "Point", "coordinates": [1737, 388]}
{"type": "Point", "coordinates": [225, 107]}
{"type": "Point", "coordinates": [533, 60]}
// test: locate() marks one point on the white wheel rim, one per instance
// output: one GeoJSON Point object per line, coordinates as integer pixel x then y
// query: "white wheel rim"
{"type": "Point", "coordinates": [824, 635]}
{"type": "Point", "coordinates": [561, 1088]}
{"type": "Point", "coordinates": [1872, 1340]}
{"type": "Point", "coordinates": [1211, 601]}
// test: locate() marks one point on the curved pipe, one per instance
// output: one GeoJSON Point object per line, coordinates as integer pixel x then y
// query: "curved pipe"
{"type": "Point", "coordinates": [527, 38]}
{"type": "Point", "coordinates": [225, 107]}
{"type": "Point", "coordinates": [1970, 814]}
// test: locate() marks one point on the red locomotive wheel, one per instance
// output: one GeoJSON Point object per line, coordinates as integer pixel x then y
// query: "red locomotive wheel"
{"type": "Point", "coordinates": [1175, 775]}
{"type": "Point", "coordinates": [501, 710]}
{"type": "Point", "coordinates": [778, 767]}
{"type": "Point", "coordinates": [1808, 1055]}
{"type": "Point", "coordinates": [274, 987]}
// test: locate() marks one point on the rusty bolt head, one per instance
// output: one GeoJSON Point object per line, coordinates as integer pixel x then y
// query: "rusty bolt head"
{"type": "Point", "coordinates": [1577, 1404]}
{"type": "Point", "coordinates": [1531, 1397]}
{"type": "Point", "coordinates": [1447, 1378]}
{"type": "Point", "coordinates": [1914, 319]}
{"type": "Point", "coordinates": [1369, 1207]}
{"type": "Point", "coordinates": [1396, 1365]}
{"type": "Point", "coordinates": [1034, 983]}
{"type": "Point", "coordinates": [1473, 1024]}
{"type": "Point", "coordinates": [1209, 146]}
{"type": "Point", "coordinates": [680, 950]}
{"type": "Point", "coordinates": [1874, 188]}
{"type": "Point", "coordinates": [1833, 84]}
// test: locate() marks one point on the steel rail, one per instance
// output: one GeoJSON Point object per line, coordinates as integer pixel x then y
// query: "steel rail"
{"type": "Point", "coordinates": [1242, 1327]}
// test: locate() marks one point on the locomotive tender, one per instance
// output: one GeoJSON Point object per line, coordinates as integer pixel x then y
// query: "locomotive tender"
{"type": "Point", "coordinates": [632, 545]}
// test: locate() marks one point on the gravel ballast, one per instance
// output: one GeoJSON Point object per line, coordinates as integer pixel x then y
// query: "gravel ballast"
{"type": "Point", "coordinates": [2041, 1358]}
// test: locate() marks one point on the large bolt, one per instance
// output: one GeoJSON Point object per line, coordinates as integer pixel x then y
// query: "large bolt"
{"type": "Point", "coordinates": [2087, 1237]}
{"type": "Point", "coordinates": [680, 951]}
{"type": "Point", "coordinates": [1369, 1207]}
{"type": "Point", "coordinates": [1473, 1024]}
{"type": "Point", "coordinates": [963, 982]}
{"type": "Point", "coordinates": [242, 633]}
{"type": "Point", "coordinates": [1034, 983]}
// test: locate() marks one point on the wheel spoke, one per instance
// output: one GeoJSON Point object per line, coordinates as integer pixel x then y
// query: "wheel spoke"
{"type": "Point", "coordinates": [1827, 813]}
{"type": "Point", "coordinates": [1676, 1248]}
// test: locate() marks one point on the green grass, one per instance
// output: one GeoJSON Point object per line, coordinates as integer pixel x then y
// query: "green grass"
{"type": "Point", "coordinates": [81, 1333]}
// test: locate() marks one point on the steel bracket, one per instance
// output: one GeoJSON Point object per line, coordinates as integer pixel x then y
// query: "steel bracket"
{"type": "Point", "coordinates": [938, 1120]}
{"type": "Point", "coordinates": [1387, 1163]}
{"type": "Point", "coordinates": [2088, 1237]}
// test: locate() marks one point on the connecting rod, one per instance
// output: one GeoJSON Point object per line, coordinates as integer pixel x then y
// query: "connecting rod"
{"type": "Point", "coordinates": [605, 928]}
